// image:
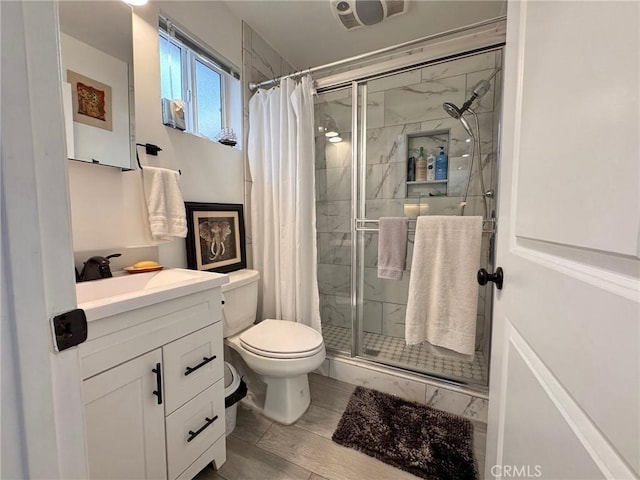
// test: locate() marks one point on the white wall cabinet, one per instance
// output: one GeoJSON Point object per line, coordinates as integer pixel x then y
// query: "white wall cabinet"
{"type": "Point", "coordinates": [145, 424]}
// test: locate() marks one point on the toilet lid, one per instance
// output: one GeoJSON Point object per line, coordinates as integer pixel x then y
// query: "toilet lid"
{"type": "Point", "coordinates": [282, 339]}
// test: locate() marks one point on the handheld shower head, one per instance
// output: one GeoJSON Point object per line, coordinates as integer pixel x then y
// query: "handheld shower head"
{"type": "Point", "coordinates": [480, 89]}
{"type": "Point", "coordinates": [452, 110]}
{"type": "Point", "coordinates": [456, 112]}
{"type": "Point", "coordinates": [466, 126]}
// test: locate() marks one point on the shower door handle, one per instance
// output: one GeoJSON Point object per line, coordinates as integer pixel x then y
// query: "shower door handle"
{"type": "Point", "coordinates": [497, 277]}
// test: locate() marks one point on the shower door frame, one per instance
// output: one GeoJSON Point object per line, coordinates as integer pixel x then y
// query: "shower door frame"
{"type": "Point", "coordinates": [359, 91]}
{"type": "Point", "coordinates": [357, 245]}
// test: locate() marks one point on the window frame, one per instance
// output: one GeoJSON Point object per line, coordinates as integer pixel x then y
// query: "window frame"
{"type": "Point", "coordinates": [188, 59]}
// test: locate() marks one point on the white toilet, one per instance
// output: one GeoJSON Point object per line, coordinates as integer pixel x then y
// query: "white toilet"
{"type": "Point", "coordinates": [282, 352]}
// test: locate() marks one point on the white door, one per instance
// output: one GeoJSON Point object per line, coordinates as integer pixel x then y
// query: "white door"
{"type": "Point", "coordinates": [125, 421]}
{"type": "Point", "coordinates": [42, 428]}
{"type": "Point", "coordinates": [565, 383]}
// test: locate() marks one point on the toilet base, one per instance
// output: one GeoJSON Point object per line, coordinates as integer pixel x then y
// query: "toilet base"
{"type": "Point", "coordinates": [287, 394]}
{"type": "Point", "coordinates": [287, 398]}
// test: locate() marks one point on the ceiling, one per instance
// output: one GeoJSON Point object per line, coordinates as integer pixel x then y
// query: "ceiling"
{"type": "Point", "coordinates": [307, 34]}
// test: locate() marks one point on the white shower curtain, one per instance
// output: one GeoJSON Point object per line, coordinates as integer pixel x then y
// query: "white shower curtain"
{"type": "Point", "coordinates": [283, 218]}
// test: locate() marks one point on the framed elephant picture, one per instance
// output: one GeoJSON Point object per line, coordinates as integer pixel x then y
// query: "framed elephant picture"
{"type": "Point", "coordinates": [215, 237]}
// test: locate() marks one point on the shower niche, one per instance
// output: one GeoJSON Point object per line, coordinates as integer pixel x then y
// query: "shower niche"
{"type": "Point", "coordinates": [420, 191]}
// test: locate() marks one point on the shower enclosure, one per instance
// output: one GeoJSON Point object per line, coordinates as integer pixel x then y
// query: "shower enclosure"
{"type": "Point", "coordinates": [366, 136]}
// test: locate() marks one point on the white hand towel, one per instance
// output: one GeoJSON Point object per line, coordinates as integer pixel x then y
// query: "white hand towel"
{"type": "Point", "coordinates": [443, 291]}
{"type": "Point", "coordinates": [165, 206]}
{"type": "Point", "coordinates": [392, 247]}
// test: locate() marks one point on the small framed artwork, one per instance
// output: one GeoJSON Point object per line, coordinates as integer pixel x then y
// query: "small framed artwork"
{"type": "Point", "coordinates": [215, 237]}
{"type": "Point", "coordinates": [91, 101]}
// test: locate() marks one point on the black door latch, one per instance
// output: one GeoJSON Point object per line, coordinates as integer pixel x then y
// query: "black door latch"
{"type": "Point", "coordinates": [70, 329]}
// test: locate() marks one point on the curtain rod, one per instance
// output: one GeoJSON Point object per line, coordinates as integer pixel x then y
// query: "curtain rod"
{"type": "Point", "coordinates": [254, 86]}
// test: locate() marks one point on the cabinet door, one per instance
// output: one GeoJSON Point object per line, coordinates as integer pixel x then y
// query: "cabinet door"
{"type": "Point", "coordinates": [125, 423]}
{"type": "Point", "coordinates": [192, 364]}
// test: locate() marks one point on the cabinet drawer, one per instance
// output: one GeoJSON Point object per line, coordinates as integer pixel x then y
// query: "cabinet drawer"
{"type": "Point", "coordinates": [189, 366]}
{"type": "Point", "coordinates": [196, 421]}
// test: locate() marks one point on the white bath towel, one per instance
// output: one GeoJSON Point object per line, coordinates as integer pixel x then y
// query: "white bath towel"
{"type": "Point", "coordinates": [165, 206]}
{"type": "Point", "coordinates": [392, 247]}
{"type": "Point", "coordinates": [443, 291]}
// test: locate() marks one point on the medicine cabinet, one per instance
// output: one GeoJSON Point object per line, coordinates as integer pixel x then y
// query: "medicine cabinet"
{"type": "Point", "coordinates": [96, 51]}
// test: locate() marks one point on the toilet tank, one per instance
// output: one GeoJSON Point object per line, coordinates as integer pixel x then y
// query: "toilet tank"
{"type": "Point", "coordinates": [240, 301]}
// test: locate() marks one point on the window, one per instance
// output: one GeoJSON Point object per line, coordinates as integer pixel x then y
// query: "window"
{"type": "Point", "coordinates": [208, 105]}
{"type": "Point", "coordinates": [194, 85]}
{"type": "Point", "coordinates": [170, 69]}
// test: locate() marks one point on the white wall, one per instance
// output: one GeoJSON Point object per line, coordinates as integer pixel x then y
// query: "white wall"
{"type": "Point", "coordinates": [107, 204]}
{"type": "Point", "coordinates": [12, 463]}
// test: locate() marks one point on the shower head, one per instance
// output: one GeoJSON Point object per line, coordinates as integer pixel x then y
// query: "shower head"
{"type": "Point", "coordinates": [456, 112]}
{"type": "Point", "coordinates": [480, 89]}
{"type": "Point", "coordinates": [452, 110]}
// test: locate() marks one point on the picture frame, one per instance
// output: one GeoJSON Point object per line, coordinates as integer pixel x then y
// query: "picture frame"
{"type": "Point", "coordinates": [92, 103]}
{"type": "Point", "coordinates": [215, 237]}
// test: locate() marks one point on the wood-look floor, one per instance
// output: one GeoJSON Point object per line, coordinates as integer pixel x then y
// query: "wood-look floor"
{"type": "Point", "coordinates": [259, 449]}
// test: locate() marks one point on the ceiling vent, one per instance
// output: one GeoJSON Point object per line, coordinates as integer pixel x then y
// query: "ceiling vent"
{"type": "Point", "coordinates": [365, 13]}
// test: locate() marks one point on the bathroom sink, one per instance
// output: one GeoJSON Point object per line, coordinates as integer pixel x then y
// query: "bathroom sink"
{"type": "Point", "coordinates": [125, 292]}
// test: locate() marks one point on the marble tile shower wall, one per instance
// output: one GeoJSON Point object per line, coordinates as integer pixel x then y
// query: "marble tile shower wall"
{"type": "Point", "coordinates": [398, 105]}
{"type": "Point", "coordinates": [260, 62]}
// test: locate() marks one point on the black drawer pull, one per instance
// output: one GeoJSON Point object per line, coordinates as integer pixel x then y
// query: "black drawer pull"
{"type": "Point", "coordinates": [205, 360]}
{"type": "Point", "coordinates": [158, 392]}
{"type": "Point", "coordinates": [193, 435]}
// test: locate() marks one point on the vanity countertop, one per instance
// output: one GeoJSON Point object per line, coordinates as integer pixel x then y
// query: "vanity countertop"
{"type": "Point", "coordinates": [124, 292]}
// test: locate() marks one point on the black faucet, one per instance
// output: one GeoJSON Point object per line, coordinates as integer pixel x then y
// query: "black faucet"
{"type": "Point", "coordinates": [97, 267]}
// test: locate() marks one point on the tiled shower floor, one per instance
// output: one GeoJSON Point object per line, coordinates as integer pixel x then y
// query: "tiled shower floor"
{"type": "Point", "coordinates": [413, 357]}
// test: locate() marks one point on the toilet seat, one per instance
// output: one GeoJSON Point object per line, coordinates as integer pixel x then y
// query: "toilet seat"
{"type": "Point", "coordinates": [282, 339]}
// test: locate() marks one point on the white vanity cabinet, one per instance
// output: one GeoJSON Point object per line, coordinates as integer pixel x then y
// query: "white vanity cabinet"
{"type": "Point", "coordinates": [153, 389]}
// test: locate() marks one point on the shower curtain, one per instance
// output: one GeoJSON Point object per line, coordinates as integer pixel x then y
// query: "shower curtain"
{"type": "Point", "coordinates": [283, 218]}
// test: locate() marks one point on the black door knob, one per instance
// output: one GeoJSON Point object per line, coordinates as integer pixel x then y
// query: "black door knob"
{"type": "Point", "coordinates": [497, 277]}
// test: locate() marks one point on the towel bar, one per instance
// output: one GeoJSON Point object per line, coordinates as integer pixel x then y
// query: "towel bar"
{"type": "Point", "coordinates": [488, 225]}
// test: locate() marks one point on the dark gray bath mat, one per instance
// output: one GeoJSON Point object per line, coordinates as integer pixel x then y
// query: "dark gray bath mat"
{"type": "Point", "coordinates": [418, 439]}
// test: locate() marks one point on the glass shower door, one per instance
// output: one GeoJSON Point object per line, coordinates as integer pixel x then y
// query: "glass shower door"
{"type": "Point", "coordinates": [364, 316]}
{"type": "Point", "coordinates": [403, 114]}
{"type": "Point", "coordinates": [333, 136]}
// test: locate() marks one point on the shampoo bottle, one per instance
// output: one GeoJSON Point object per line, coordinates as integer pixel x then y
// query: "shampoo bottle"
{"type": "Point", "coordinates": [442, 165]}
{"type": "Point", "coordinates": [421, 166]}
{"type": "Point", "coordinates": [411, 169]}
{"type": "Point", "coordinates": [431, 167]}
